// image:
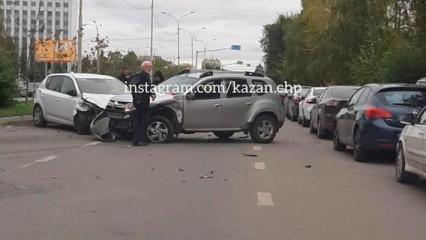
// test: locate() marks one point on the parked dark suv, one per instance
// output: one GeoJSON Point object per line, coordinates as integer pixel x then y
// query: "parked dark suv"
{"type": "Point", "coordinates": [328, 105]}
{"type": "Point", "coordinates": [372, 119]}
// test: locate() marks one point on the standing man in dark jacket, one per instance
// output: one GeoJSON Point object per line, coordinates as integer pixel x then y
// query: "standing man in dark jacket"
{"type": "Point", "coordinates": [125, 75]}
{"type": "Point", "coordinates": [141, 89]}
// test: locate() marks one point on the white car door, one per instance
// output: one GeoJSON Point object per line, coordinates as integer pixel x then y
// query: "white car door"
{"type": "Point", "coordinates": [414, 144]}
{"type": "Point", "coordinates": [68, 100]}
{"type": "Point", "coordinates": [422, 158]}
{"type": "Point", "coordinates": [50, 97]}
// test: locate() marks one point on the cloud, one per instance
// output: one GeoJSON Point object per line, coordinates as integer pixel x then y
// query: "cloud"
{"type": "Point", "coordinates": [127, 25]}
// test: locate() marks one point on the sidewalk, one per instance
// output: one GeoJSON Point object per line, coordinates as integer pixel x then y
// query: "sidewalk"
{"type": "Point", "coordinates": [4, 120]}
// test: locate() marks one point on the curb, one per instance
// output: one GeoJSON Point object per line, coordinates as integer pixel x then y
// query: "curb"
{"type": "Point", "coordinates": [4, 120]}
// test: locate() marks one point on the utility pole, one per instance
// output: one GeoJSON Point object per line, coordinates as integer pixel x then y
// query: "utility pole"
{"type": "Point", "coordinates": [80, 38]}
{"type": "Point", "coordinates": [98, 48]}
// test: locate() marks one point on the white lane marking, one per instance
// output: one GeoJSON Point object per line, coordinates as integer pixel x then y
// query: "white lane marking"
{"type": "Point", "coordinates": [264, 199]}
{"type": "Point", "coordinates": [259, 165]}
{"type": "Point", "coordinates": [91, 144]}
{"type": "Point", "coordinates": [46, 159]}
{"type": "Point", "coordinates": [257, 148]}
{"type": "Point", "coordinates": [41, 160]}
{"type": "Point", "coordinates": [27, 165]}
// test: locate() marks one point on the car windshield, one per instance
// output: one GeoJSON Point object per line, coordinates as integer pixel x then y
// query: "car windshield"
{"type": "Point", "coordinates": [343, 93]}
{"type": "Point", "coordinates": [107, 86]}
{"type": "Point", "coordinates": [404, 97]}
{"type": "Point", "coordinates": [318, 91]}
{"type": "Point", "coordinates": [177, 84]}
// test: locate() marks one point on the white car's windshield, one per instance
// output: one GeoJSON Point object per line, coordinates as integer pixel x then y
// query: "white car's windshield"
{"type": "Point", "coordinates": [109, 86]}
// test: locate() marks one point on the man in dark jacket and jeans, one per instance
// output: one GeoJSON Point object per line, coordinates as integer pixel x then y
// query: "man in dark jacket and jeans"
{"type": "Point", "coordinates": [141, 89]}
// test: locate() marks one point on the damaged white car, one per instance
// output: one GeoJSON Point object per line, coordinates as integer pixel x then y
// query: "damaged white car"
{"type": "Point", "coordinates": [74, 99]}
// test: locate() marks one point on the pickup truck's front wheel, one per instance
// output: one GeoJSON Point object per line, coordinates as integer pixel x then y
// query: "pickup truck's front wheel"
{"type": "Point", "coordinates": [264, 129]}
{"type": "Point", "coordinates": [159, 130]}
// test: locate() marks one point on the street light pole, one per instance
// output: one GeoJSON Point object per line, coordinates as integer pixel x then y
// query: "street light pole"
{"type": "Point", "coordinates": [152, 32]}
{"type": "Point", "coordinates": [192, 42]}
{"type": "Point", "coordinates": [80, 38]}
{"type": "Point", "coordinates": [205, 50]}
{"type": "Point", "coordinates": [178, 29]}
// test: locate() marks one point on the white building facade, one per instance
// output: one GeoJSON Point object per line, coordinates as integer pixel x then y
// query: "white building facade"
{"type": "Point", "coordinates": [40, 19]}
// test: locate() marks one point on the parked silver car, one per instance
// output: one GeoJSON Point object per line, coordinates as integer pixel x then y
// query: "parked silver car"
{"type": "Point", "coordinates": [411, 149]}
{"type": "Point", "coordinates": [223, 113]}
{"type": "Point", "coordinates": [74, 99]}
{"type": "Point", "coordinates": [308, 102]}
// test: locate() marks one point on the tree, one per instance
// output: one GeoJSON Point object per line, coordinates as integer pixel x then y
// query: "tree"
{"type": "Point", "coordinates": [273, 44]}
{"type": "Point", "coordinates": [8, 67]}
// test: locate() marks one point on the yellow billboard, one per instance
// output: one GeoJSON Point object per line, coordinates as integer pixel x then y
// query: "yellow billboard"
{"type": "Point", "coordinates": [55, 51]}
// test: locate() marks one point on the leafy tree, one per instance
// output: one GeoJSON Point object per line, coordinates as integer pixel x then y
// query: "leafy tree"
{"type": "Point", "coordinates": [8, 67]}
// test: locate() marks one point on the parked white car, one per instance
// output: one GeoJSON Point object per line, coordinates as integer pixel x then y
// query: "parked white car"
{"type": "Point", "coordinates": [306, 105]}
{"type": "Point", "coordinates": [74, 99]}
{"type": "Point", "coordinates": [411, 150]}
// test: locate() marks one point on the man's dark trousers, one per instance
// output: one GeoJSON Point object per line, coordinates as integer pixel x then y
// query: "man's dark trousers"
{"type": "Point", "coordinates": [140, 123]}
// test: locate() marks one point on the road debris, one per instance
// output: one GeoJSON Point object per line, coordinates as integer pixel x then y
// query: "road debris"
{"type": "Point", "coordinates": [181, 170]}
{"type": "Point", "coordinates": [250, 155]}
{"type": "Point", "coordinates": [308, 166]}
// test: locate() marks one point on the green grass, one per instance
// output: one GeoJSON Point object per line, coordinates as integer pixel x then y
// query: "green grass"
{"type": "Point", "coordinates": [17, 109]}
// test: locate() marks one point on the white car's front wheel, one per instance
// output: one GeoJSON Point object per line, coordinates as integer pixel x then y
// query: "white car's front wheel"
{"type": "Point", "coordinates": [402, 176]}
{"type": "Point", "coordinates": [38, 117]}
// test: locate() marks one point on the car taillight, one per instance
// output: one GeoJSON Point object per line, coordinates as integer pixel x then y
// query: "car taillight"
{"type": "Point", "coordinates": [332, 103]}
{"type": "Point", "coordinates": [376, 113]}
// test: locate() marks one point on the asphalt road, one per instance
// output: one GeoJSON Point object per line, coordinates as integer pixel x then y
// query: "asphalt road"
{"type": "Point", "coordinates": [55, 185]}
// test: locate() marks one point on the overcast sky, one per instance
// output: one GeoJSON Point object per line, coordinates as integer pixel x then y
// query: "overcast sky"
{"type": "Point", "coordinates": [127, 25]}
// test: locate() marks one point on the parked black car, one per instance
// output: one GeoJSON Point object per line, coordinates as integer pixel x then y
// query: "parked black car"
{"type": "Point", "coordinates": [372, 119]}
{"type": "Point", "coordinates": [328, 105]}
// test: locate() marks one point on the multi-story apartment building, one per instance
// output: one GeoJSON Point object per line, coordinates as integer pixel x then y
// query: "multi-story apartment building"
{"type": "Point", "coordinates": [40, 19]}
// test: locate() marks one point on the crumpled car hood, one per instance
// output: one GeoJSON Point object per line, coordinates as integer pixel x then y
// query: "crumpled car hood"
{"type": "Point", "coordinates": [100, 100]}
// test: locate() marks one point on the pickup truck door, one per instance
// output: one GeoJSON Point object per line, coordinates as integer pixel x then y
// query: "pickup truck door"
{"type": "Point", "coordinates": [204, 110]}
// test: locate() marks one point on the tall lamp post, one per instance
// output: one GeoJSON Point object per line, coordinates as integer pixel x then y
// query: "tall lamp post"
{"type": "Point", "coordinates": [205, 49]}
{"type": "Point", "coordinates": [192, 41]}
{"type": "Point", "coordinates": [178, 28]}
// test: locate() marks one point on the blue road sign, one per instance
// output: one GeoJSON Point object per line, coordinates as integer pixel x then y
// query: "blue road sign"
{"type": "Point", "coordinates": [236, 47]}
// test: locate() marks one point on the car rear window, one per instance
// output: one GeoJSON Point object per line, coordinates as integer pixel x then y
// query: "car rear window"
{"type": "Point", "coordinates": [342, 92]}
{"type": "Point", "coordinates": [403, 97]}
